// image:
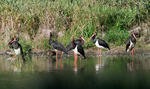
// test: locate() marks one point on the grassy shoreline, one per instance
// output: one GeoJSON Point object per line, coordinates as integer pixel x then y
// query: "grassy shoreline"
{"type": "Point", "coordinates": [32, 20]}
{"type": "Point", "coordinates": [115, 50]}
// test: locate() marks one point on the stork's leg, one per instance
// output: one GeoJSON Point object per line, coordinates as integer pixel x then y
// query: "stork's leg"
{"type": "Point", "coordinates": [98, 51]}
{"type": "Point", "coordinates": [75, 59]}
{"type": "Point", "coordinates": [75, 62]}
{"type": "Point", "coordinates": [56, 59]}
{"type": "Point", "coordinates": [61, 56]}
{"type": "Point", "coordinates": [75, 67]}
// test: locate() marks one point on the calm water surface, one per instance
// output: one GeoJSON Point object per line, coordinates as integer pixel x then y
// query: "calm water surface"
{"type": "Point", "coordinates": [111, 72]}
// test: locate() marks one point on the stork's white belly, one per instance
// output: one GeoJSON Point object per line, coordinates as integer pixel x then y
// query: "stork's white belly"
{"type": "Point", "coordinates": [75, 50]}
{"type": "Point", "coordinates": [97, 45]}
{"type": "Point", "coordinates": [131, 45]}
{"type": "Point", "coordinates": [17, 51]}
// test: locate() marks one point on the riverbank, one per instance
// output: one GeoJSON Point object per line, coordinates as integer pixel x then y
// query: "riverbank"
{"type": "Point", "coordinates": [115, 50]}
{"type": "Point", "coordinates": [33, 20]}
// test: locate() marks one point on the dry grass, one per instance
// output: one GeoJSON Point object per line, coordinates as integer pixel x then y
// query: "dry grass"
{"type": "Point", "coordinates": [27, 19]}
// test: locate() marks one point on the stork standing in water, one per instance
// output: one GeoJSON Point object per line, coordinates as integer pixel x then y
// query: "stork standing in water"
{"type": "Point", "coordinates": [80, 41]}
{"type": "Point", "coordinates": [99, 43]}
{"type": "Point", "coordinates": [58, 47]}
{"type": "Point", "coordinates": [17, 48]}
{"type": "Point", "coordinates": [78, 50]}
{"type": "Point", "coordinates": [131, 43]}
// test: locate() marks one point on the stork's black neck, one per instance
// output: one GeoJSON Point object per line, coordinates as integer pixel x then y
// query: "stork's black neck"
{"type": "Point", "coordinates": [73, 43]}
{"type": "Point", "coordinates": [50, 39]}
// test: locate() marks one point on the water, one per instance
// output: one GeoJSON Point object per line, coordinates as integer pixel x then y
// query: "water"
{"type": "Point", "coordinates": [111, 72]}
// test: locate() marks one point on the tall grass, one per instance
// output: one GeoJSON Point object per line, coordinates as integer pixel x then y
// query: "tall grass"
{"type": "Point", "coordinates": [73, 17]}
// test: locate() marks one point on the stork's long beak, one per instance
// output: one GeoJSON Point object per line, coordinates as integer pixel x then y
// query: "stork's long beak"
{"type": "Point", "coordinates": [10, 41]}
{"type": "Point", "coordinates": [134, 35]}
{"type": "Point", "coordinates": [92, 35]}
{"type": "Point", "coordinates": [83, 39]}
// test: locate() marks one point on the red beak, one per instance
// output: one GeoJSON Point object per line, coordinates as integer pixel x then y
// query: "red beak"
{"type": "Point", "coordinates": [82, 38]}
{"type": "Point", "coordinates": [133, 35]}
{"type": "Point", "coordinates": [10, 41]}
{"type": "Point", "coordinates": [93, 35]}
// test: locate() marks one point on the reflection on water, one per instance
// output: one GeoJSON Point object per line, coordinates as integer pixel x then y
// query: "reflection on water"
{"type": "Point", "coordinates": [111, 72]}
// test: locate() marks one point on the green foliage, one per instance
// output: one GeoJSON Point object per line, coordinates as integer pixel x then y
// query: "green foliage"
{"type": "Point", "coordinates": [44, 44]}
{"type": "Point", "coordinates": [26, 45]}
{"type": "Point", "coordinates": [117, 36]}
{"type": "Point", "coordinates": [73, 17]}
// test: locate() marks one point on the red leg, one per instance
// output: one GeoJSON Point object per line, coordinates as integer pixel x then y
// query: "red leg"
{"type": "Point", "coordinates": [75, 62]}
{"type": "Point", "coordinates": [98, 52]}
{"type": "Point", "coordinates": [100, 57]}
{"type": "Point", "coordinates": [61, 56]}
{"type": "Point", "coordinates": [75, 67]}
{"type": "Point", "coordinates": [76, 58]}
{"type": "Point", "coordinates": [132, 52]}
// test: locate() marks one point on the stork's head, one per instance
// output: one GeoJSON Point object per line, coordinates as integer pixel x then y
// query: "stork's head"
{"type": "Point", "coordinates": [82, 37]}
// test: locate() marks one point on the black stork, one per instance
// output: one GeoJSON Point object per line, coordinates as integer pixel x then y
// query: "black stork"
{"type": "Point", "coordinates": [99, 43]}
{"type": "Point", "coordinates": [78, 50]}
{"type": "Point", "coordinates": [57, 46]}
{"type": "Point", "coordinates": [79, 41]}
{"type": "Point", "coordinates": [16, 46]}
{"type": "Point", "coordinates": [131, 43]}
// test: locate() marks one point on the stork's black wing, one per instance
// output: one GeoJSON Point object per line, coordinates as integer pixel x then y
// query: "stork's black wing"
{"type": "Point", "coordinates": [127, 44]}
{"type": "Point", "coordinates": [103, 43]}
{"type": "Point", "coordinates": [81, 51]}
{"type": "Point", "coordinates": [58, 46]}
{"type": "Point", "coordinates": [69, 47]}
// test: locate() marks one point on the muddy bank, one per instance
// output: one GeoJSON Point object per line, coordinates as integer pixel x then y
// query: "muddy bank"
{"type": "Point", "coordinates": [119, 50]}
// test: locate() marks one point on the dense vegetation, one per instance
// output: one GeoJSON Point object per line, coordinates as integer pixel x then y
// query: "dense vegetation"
{"type": "Point", "coordinates": [27, 19]}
